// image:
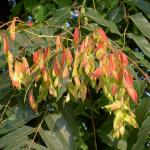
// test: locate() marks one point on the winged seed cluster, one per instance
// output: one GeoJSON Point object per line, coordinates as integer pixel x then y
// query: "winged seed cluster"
{"type": "Point", "coordinates": [94, 62]}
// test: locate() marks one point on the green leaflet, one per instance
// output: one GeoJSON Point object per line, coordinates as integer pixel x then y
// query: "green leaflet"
{"type": "Point", "coordinates": [141, 42]}
{"type": "Point", "coordinates": [39, 13]}
{"type": "Point", "coordinates": [21, 117]}
{"type": "Point", "coordinates": [142, 23]}
{"type": "Point", "coordinates": [141, 59]}
{"type": "Point", "coordinates": [58, 136]}
{"type": "Point", "coordinates": [19, 133]}
{"type": "Point", "coordinates": [94, 15]}
{"type": "Point", "coordinates": [143, 107]}
{"type": "Point", "coordinates": [116, 14]}
{"type": "Point", "coordinates": [29, 4]}
{"type": "Point", "coordinates": [4, 85]}
{"type": "Point", "coordinates": [59, 17]}
{"type": "Point", "coordinates": [142, 135]}
{"type": "Point", "coordinates": [140, 86]}
{"type": "Point", "coordinates": [140, 111]}
{"type": "Point", "coordinates": [144, 6]}
{"type": "Point", "coordinates": [60, 132]}
{"type": "Point", "coordinates": [63, 3]}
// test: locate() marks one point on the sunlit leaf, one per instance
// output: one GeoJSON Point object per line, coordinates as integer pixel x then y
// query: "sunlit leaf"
{"type": "Point", "coordinates": [56, 66]}
{"type": "Point", "coordinates": [36, 56]}
{"type": "Point", "coordinates": [32, 102]}
{"type": "Point", "coordinates": [43, 91]}
{"type": "Point", "coordinates": [12, 28]}
{"type": "Point", "coordinates": [72, 89]}
{"type": "Point", "coordinates": [76, 36]}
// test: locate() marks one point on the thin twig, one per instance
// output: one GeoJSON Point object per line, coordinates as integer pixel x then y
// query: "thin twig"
{"type": "Point", "coordinates": [94, 134]}
{"type": "Point", "coordinates": [124, 34]}
{"type": "Point", "coordinates": [83, 2]}
{"type": "Point", "coordinates": [7, 23]}
{"type": "Point", "coordinates": [6, 107]}
{"type": "Point", "coordinates": [125, 12]}
{"type": "Point", "coordinates": [60, 28]}
{"type": "Point", "coordinates": [94, 5]}
{"type": "Point", "coordinates": [93, 125]}
{"type": "Point", "coordinates": [38, 128]}
{"type": "Point", "coordinates": [126, 20]}
{"type": "Point", "coordinates": [45, 36]}
{"type": "Point", "coordinates": [146, 76]}
{"type": "Point", "coordinates": [25, 96]}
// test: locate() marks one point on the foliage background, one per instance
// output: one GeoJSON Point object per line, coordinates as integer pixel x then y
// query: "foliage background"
{"type": "Point", "coordinates": [70, 126]}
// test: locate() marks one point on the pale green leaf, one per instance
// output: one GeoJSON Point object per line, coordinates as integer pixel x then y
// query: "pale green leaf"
{"type": "Point", "coordinates": [22, 116]}
{"type": "Point", "coordinates": [17, 144]}
{"type": "Point", "coordinates": [69, 114]}
{"type": "Point", "coordinates": [51, 140]}
{"type": "Point", "coordinates": [43, 91]}
{"type": "Point", "coordinates": [23, 143]}
{"type": "Point", "coordinates": [122, 145]}
{"type": "Point", "coordinates": [67, 99]}
{"type": "Point", "coordinates": [15, 135]}
{"type": "Point", "coordinates": [36, 146]}
{"type": "Point", "coordinates": [59, 126]}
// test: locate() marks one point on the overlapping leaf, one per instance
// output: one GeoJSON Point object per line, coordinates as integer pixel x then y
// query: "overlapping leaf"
{"type": "Point", "coordinates": [142, 23]}
{"type": "Point", "coordinates": [141, 42]}
{"type": "Point", "coordinates": [59, 136]}
{"type": "Point", "coordinates": [101, 21]}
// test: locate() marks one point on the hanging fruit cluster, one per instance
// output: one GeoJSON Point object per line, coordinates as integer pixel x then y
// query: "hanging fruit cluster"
{"type": "Point", "coordinates": [94, 62]}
